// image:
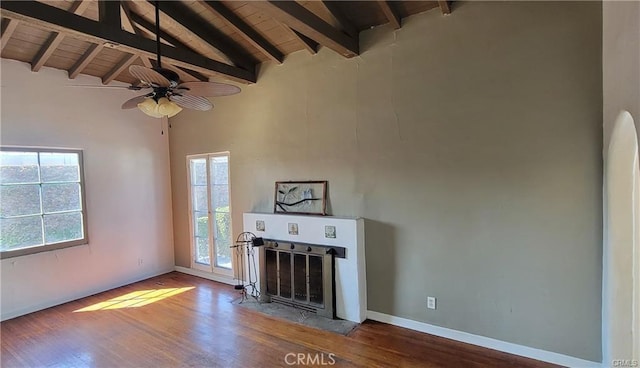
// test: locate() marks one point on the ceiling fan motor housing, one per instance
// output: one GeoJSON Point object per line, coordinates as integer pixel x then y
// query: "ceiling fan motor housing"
{"type": "Point", "coordinates": [172, 76]}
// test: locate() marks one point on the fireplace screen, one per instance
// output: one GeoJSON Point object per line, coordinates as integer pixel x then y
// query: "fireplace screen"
{"type": "Point", "coordinates": [300, 275]}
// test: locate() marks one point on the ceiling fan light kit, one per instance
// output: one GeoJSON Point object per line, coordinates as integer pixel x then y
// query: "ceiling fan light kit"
{"type": "Point", "coordinates": [163, 107]}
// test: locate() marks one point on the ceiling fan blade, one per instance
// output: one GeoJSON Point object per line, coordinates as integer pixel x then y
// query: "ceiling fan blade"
{"type": "Point", "coordinates": [149, 76]}
{"type": "Point", "coordinates": [192, 102]}
{"type": "Point", "coordinates": [133, 103]}
{"type": "Point", "coordinates": [209, 89]}
{"type": "Point", "coordinates": [132, 87]}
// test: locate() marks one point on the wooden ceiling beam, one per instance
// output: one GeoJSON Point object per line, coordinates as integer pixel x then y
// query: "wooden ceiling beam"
{"type": "Point", "coordinates": [52, 43]}
{"type": "Point", "coordinates": [51, 18]}
{"type": "Point", "coordinates": [8, 27]}
{"type": "Point", "coordinates": [390, 13]}
{"type": "Point", "coordinates": [129, 16]}
{"type": "Point", "coordinates": [146, 61]}
{"type": "Point", "coordinates": [305, 22]}
{"type": "Point", "coordinates": [46, 51]}
{"type": "Point", "coordinates": [445, 7]}
{"type": "Point", "coordinates": [119, 68]}
{"type": "Point", "coordinates": [193, 22]}
{"type": "Point", "coordinates": [140, 22]}
{"type": "Point", "coordinates": [309, 44]}
{"type": "Point", "coordinates": [109, 13]}
{"type": "Point", "coordinates": [128, 23]}
{"type": "Point", "coordinates": [338, 14]}
{"type": "Point", "coordinates": [244, 30]}
{"type": "Point", "coordinates": [199, 76]}
{"type": "Point", "coordinates": [85, 60]}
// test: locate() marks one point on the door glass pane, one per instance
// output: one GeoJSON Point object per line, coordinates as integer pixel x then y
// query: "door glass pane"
{"type": "Point", "coordinates": [220, 170]}
{"type": "Point", "coordinates": [18, 167]}
{"type": "Point", "coordinates": [62, 227]}
{"type": "Point", "coordinates": [199, 194]}
{"type": "Point", "coordinates": [199, 171]}
{"type": "Point", "coordinates": [59, 167]}
{"type": "Point", "coordinates": [19, 200]}
{"type": "Point", "coordinates": [61, 197]}
{"type": "Point", "coordinates": [20, 232]}
{"type": "Point", "coordinates": [220, 197]}
{"type": "Point", "coordinates": [202, 251]}
{"type": "Point", "coordinates": [201, 220]}
{"type": "Point", "coordinates": [223, 239]}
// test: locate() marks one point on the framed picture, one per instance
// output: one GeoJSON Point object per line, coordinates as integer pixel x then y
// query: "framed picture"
{"type": "Point", "coordinates": [301, 197]}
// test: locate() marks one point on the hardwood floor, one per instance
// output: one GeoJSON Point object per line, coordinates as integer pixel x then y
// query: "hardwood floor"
{"type": "Point", "coordinates": [196, 325]}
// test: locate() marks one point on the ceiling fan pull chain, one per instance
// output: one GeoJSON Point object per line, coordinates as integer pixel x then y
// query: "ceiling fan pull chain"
{"type": "Point", "coordinates": [161, 127]}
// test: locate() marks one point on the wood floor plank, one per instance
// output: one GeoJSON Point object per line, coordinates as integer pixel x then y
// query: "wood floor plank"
{"type": "Point", "coordinates": [197, 325]}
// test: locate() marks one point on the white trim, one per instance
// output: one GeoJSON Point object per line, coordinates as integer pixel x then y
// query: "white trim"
{"type": "Point", "coordinates": [206, 275]}
{"type": "Point", "coordinates": [486, 342]}
{"type": "Point", "coordinates": [84, 294]}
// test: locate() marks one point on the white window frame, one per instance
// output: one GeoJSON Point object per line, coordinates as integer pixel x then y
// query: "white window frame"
{"type": "Point", "coordinates": [60, 245]}
{"type": "Point", "coordinates": [212, 268]}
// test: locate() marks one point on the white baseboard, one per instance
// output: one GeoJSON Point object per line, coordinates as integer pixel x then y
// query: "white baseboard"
{"type": "Point", "coordinates": [206, 275]}
{"type": "Point", "coordinates": [52, 303]}
{"type": "Point", "coordinates": [486, 342]}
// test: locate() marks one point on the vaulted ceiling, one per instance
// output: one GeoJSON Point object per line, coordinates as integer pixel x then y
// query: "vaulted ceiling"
{"type": "Point", "coordinates": [200, 39]}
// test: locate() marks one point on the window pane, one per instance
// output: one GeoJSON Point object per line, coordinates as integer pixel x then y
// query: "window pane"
{"type": "Point", "coordinates": [202, 224]}
{"type": "Point", "coordinates": [220, 170]}
{"type": "Point", "coordinates": [202, 251]}
{"type": "Point", "coordinates": [61, 197]}
{"type": "Point", "coordinates": [199, 171]}
{"type": "Point", "coordinates": [20, 232]}
{"type": "Point", "coordinates": [199, 194]}
{"type": "Point", "coordinates": [57, 166]}
{"type": "Point", "coordinates": [63, 227]}
{"type": "Point", "coordinates": [19, 200]}
{"type": "Point", "coordinates": [18, 167]}
{"type": "Point", "coordinates": [223, 240]}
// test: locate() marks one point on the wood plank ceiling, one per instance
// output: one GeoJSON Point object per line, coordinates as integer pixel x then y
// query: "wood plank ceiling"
{"type": "Point", "coordinates": [201, 39]}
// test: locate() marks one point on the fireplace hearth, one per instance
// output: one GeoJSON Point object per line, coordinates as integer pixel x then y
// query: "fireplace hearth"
{"type": "Point", "coordinates": [300, 275]}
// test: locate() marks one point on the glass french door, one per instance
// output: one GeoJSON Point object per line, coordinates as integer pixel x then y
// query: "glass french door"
{"type": "Point", "coordinates": [210, 212]}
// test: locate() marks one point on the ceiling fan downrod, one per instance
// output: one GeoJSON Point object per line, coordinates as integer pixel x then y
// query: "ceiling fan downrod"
{"type": "Point", "coordinates": [157, 3]}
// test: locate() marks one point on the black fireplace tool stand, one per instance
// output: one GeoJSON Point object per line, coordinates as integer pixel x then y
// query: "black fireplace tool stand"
{"type": "Point", "coordinates": [245, 243]}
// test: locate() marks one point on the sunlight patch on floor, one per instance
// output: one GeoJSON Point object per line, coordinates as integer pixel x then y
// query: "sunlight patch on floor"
{"type": "Point", "coordinates": [135, 299]}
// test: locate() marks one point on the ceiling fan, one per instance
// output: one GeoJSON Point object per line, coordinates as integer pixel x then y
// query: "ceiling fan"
{"type": "Point", "coordinates": [168, 94]}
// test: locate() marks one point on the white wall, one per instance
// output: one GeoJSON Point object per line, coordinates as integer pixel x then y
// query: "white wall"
{"type": "Point", "coordinates": [126, 163]}
{"type": "Point", "coordinates": [621, 93]}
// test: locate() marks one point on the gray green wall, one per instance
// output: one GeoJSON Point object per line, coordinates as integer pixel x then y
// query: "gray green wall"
{"type": "Point", "coordinates": [472, 144]}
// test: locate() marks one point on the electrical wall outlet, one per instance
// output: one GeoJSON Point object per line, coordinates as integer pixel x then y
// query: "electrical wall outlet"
{"type": "Point", "coordinates": [431, 302]}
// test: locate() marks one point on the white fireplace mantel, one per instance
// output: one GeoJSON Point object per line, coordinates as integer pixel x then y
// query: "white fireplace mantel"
{"type": "Point", "coordinates": [350, 273]}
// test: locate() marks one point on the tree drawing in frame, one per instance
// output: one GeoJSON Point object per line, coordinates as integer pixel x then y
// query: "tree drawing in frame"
{"type": "Point", "coordinates": [301, 197]}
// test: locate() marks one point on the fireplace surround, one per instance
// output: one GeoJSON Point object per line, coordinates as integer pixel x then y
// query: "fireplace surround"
{"type": "Point", "coordinates": [346, 238]}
